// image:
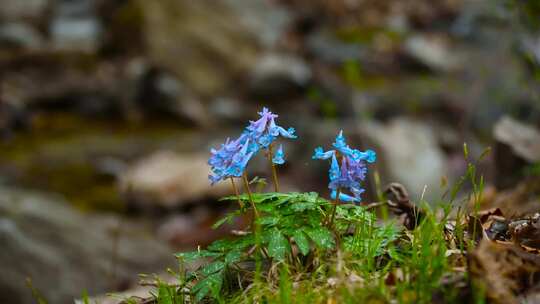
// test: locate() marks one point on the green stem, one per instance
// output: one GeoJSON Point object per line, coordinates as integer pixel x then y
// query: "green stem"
{"type": "Point", "coordinates": [248, 190]}
{"type": "Point", "coordinates": [336, 202]}
{"type": "Point", "coordinates": [237, 193]}
{"type": "Point", "coordinates": [273, 166]}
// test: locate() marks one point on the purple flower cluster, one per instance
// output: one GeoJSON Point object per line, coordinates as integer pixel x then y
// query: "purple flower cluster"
{"type": "Point", "coordinates": [352, 171]}
{"type": "Point", "coordinates": [232, 158]}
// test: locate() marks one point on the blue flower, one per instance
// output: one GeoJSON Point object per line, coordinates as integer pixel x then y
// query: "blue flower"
{"type": "Point", "coordinates": [351, 173]}
{"type": "Point", "coordinates": [278, 158]}
{"type": "Point", "coordinates": [341, 145]}
{"type": "Point", "coordinates": [232, 158]}
{"type": "Point", "coordinates": [344, 197]}
{"type": "Point", "coordinates": [334, 173]}
{"type": "Point", "coordinates": [265, 131]}
{"type": "Point", "coordinates": [320, 154]}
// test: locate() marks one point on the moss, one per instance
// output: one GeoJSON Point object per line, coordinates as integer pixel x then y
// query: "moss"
{"type": "Point", "coordinates": [61, 152]}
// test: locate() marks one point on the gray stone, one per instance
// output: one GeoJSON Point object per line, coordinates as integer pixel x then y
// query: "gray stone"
{"type": "Point", "coordinates": [176, 99]}
{"type": "Point", "coordinates": [408, 154]}
{"type": "Point", "coordinates": [20, 35]}
{"type": "Point", "coordinates": [517, 147]}
{"type": "Point", "coordinates": [263, 18]}
{"type": "Point", "coordinates": [64, 251]}
{"type": "Point", "coordinates": [328, 48]}
{"type": "Point", "coordinates": [434, 52]}
{"type": "Point", "coordinates": [277, 75]}
{"type": "Point", "coordinates": [75, 26]}
{"type": "Point", "coordinates": [166, 179]}
{"type": "Point", "coordinates": [522, 138]}
{"type": "Point", "coordinates": [76, 34]}
{"type": "Point", "coordinates": [209, 44]}
{"type": "Point", "coordinates": [20, 9]}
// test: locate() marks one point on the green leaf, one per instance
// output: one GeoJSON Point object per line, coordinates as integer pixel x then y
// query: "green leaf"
{"type": "Point", "coordinates": [233, 256]}
{"type": "Point", "coordinates": [301, 206]}
{"type": "Point", "coordinates": [268, 220]}
{"type": "Point", "coordinates": [227, 219]}
{"type": "Point", "coordinates": [243, 242]}
{"type": "Point", "coordinates": [321, 236]}
{"type": "Point", "coordinates": [278, 246]}
{"type": "Point", "coordinates": [282, 200]}
{"type": "Point", "coordinates": [195, 255]}
{"type": "Point", "coordinates": [211, 282]}
{"type": "Point", "coordinates": [164, 294]}
{"type": "Point", "coordinates": [301, 241]}
{"type": "Point", "coordinates": [310, 197]}
{"type": "Point", "coordinates": [212, 268]}
{"type": "Point", "coordinates": [221, 245]}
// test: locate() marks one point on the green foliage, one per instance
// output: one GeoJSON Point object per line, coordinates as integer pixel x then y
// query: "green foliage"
{"type": "Point", "coordinates": [287, 221]}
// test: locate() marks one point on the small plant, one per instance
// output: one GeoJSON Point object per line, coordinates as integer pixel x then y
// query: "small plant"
{"type": "Point", "coordinates": [303, 247]}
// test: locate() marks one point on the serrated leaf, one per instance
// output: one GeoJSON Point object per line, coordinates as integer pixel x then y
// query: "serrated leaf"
{"type": "Point", "coordinates": [243, 242]}
{"type": "Point", "coordinates": [212, 268]}
{"type": "Point", "coordinates": [233, 256]}
{"type": "Point", "coordinates": [282, 200]}
{"type": "Point", "coordinates": [268, 220]}
{"type": "Point", "coordinates": [301, 241]}
{"type": "Point", "coordinates": [278, 246]}
{"type": "Point", "coordinates": [321, 236]}
{"type": "Point", "coordinates": [228, 218]}
{"type": "Point", "coordinates": [310, 197]}
{"type": "Point", "coordinates": [301, 206]}
{"type": "Point", "coordinates": [195, 255]}
{"type": "Point", "coordinates": [314, 219]}
{"type": "Point", "coordinates": [221, 245]}
{"type": "Point", "coordinates": [203, 287]}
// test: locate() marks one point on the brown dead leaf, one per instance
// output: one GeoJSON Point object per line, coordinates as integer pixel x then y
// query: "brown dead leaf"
{"type": "Point", "coordinates": [516, 202]}
{"type": "Point", "coordinates": [399, 202]}
{"type": "Point", "coordinates": [505, 271]}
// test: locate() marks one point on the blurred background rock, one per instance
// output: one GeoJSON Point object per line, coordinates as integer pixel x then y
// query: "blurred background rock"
{"type": "Point", "coordinates": [108, 110]}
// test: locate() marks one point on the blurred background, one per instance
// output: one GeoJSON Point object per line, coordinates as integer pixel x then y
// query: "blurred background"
{"type": "Point", "coordinates": [108, 109]}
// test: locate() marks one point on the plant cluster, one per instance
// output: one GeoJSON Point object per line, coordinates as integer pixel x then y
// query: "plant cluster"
{"type": "Point", "coordinates": [302, 247]}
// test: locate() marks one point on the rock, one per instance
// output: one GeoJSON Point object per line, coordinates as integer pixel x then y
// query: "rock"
{"type": "Point", "coordinates": [75, 26]}
{"type": "Point", "coordinates": [20, 35]}
{"type": "Point", "coordinates": [326, 47]}
{"type": "Point", "coordinates": [163, 93]}
{"type": "Point", "coordinates": [518, 146]}
{"type": "Point", "coordinates": [136, 294]}
{"type": "Point", "coordinates": [227, 108]}
{"type": "Point", "coordinates": [27, 9]}
{"type": "Point", "coordinates": [433, 51]}
{"type": "Point", "coordinates": [264, 19]}
{"type": "Point", "coordinates": [167, 180]}
{"type": "Point", "coordinates": [76, 34]}
{"type": "Point", "coordinates": [217, 41]}
{"type": "Point", "coordinates": [408, 154]}
{"type": "Point", "coordinates": [202, 42]}
{"type": "Point", "coordinates": [279, 75]}
{"type": "Point", "coordinates": [65, 252]}
{"type": "Point", "coordinates": [531, 47]}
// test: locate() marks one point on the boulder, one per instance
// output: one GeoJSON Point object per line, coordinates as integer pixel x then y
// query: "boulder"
{"type": "Point", "coordinates": [168, 180]}
{"type": "Point", "coordinates": [408, 153]}
{"type": "Point", "coordinates": [209, 44]}
{"type": "Point", "coordinates": [434, 52]}
{"type": "Point", "coordinates": [277, 76]}
{"type": "Point", "coordinates": [75, 26]}
{"type": "Point", "coordinates": [65, 252]}
{"type": "Point", "coordinates": [17, 9]}
{"type": "Point", "coordinates": [517, 147]}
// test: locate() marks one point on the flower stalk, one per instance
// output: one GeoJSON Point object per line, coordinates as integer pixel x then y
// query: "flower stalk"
{"type": "Point", "coordinates": [273, 167]}
{"type": "Point", "coordinates": [237, 193]}
{"type": "Point", "coordinates": [250, 195]}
